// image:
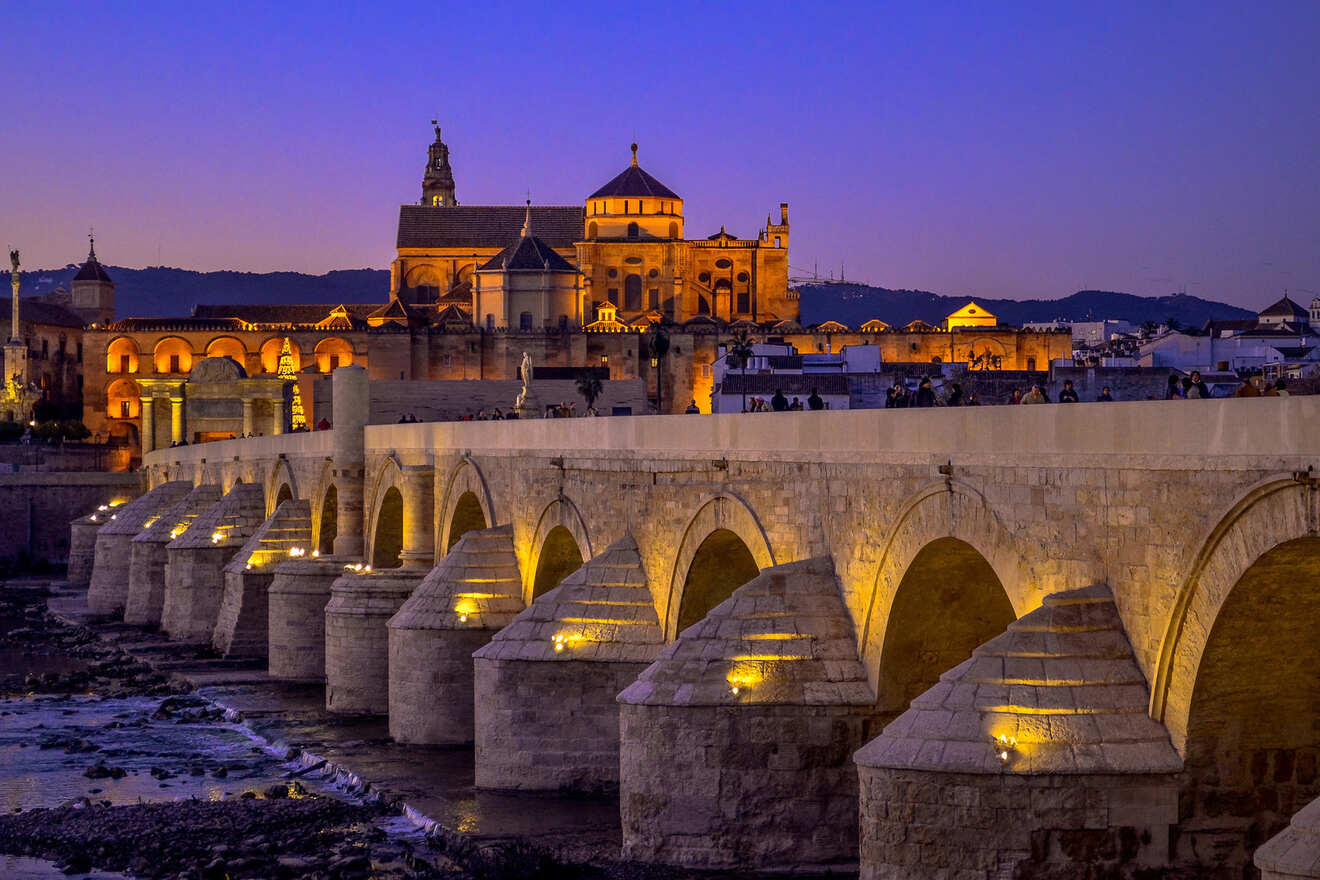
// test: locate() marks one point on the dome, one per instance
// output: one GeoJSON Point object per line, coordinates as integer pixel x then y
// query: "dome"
{"type": "Point", "coordinates": [633, 181]}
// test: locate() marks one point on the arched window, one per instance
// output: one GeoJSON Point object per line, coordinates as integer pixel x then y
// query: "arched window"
{"type": "Point", "coordinates": [122, 356]}
{"type": "Point", "coordinates": [525, 321]}
{"type": "Point", "coordinates": [172, 355]}
{"type": "Point", "coordinates": [331, 353]}
{"type": "Point", "coordinates": [673, 230]}
{"type": "Point", "coordinates": [632, 293]}
{"type": "Point", "coordinates": [632, 230]}
{"type": "Point", "coordinates": [591, 229]}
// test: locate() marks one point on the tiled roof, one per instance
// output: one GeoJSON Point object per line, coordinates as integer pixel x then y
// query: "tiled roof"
{"type": "Point", "coordinates": [601, 612]}
{"type": "Point", "coordinates": [633, 181]}
{"type": "Point", "coordinates": [41, 312]}
{"type": "Point", "coordinates": [790, 383]}
{"type": "Point", "coordinates": [784, 637]}
{"type": "Point", "coordinates": [92, 270]}
{"type": "Point", "coordinates": [528, 254]}
{"type": "Point", "coordinates": [476, 586]}
{"type": "Point", "coordinates": [1061, 687]}
{"type": "Point", "coordinates": [292, 313]}
{"type": "Point", "coordinates": [1285, 307]}
{"type": "Point", "coordinates": [485, 226]}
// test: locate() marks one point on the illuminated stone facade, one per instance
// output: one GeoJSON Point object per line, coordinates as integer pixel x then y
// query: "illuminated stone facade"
{"type": "Point", "coordinates": [1142, 589]}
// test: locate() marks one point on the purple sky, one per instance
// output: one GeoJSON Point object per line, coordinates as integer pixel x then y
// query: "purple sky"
{"type": "Point", "coordinates": [1023, 153]}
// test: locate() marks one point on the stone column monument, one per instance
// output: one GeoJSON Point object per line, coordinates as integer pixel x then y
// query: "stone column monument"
{"type": "Point", "coordinates": [15, 348]}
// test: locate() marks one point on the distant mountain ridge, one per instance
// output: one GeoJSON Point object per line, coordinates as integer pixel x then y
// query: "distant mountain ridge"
{"type": "Point", "coordinates": [161, 291]}
{"type": "Point", "coordinates": [855, 304]}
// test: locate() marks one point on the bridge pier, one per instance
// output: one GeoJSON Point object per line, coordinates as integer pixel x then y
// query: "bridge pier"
{"type": "Point", "coordinates": [736, 744]}
{"type": "Point", "coordinates": [298, 594]}
{"type": "Point", "coordinates": [357, 674]}
{"type": "Point", "coordinates": [146, 568]}
{"type": "Point", "coordinates": [1294, 853]}
{"type": "Point", "coordinates": [82, 546]}
{"type": "Point", "coordinates": [241, 628]}
{"type": "Point", "coordinates": [194, 571]}
{"type": "Point", "coordinates": [546, 684]}
{"type": "Point", "coordinates": [351, 394]}
{"type": "Point", "coordinates": [474, 591]}
{"type": "Point", "coordinates": [107, 589]}
{"type": "Point", "coordinates": [1036, 753]}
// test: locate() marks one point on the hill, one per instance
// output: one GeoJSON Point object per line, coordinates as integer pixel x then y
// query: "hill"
{"type": "Point", "coordinates": [855, 304]}
{"type": "Point", "coordinates": [161, 291]}
{"type": "Point", "coordinates": [167, 292]}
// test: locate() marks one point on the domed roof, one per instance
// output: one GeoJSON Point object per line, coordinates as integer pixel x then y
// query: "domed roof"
{"type": "Point", "coordinates": [633, 181]}
{"type": "Point", "coordinates": [92, 270]}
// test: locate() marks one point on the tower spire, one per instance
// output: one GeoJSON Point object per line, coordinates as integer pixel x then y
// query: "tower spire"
{"type": "Point", "coordinates": [438, 179]}
{"type": "Point", "coordinates": [527, 219]}
{"type": "Point", "coordinates": [91, 246]}
{"type": "Point", "coordinates": [634, 152]}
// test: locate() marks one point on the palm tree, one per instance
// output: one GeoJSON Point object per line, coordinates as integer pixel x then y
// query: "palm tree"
{"type": "Point", "coordinates": [740, 352]}
{"type": "Point", "coordinates": [658, 342]}
{"type": "Point", "coordinates": [588, 385]}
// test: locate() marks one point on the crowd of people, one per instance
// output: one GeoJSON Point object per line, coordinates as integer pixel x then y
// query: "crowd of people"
{"type": "Point", "coordinates": [781, 403]}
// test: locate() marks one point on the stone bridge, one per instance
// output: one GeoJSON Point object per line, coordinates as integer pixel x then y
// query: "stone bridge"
{"type": "Point", "coordinates": [989, 639]}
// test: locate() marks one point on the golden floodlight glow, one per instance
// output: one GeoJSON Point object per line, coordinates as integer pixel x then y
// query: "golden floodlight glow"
{"type": "Point", "coordinates": [296, 552]}
{"type": "Point", "coordinates": [1004, 745]}
{"type": "Point", "coordinates": [93, 518]}
{"type": "Point", "coordinates": [175, 532]}
{"type": "Point", "coordinates": [103, 507]}
{"type": "Point", "coordinates": [316, 553]}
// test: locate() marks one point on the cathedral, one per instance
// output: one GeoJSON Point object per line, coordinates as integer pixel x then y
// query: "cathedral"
{"type": "Point", "coordinates": [552, 267]}
{"type": "Point", "coordinates": [594, 286]}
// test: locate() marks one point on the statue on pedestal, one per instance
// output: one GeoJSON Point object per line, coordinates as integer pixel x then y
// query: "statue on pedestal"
{"type": "Point", "coordinates": [527, 406]}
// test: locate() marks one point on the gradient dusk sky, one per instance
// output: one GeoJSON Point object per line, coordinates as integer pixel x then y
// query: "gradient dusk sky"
{"type": "Point", "coordinates": [994, 149]}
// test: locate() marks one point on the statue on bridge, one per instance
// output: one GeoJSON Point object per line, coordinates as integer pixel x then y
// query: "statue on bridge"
{"type": "Point", "coordinates": [527, 406]}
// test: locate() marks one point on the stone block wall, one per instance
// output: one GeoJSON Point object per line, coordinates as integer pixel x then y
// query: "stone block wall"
{"type": "Point", "coordinates": [82, 550]}
{"type": "Point", "coordinates": [924, 826]}
{"type": "Point", "coordinates": [194, 584]}
{"type": "Point", "coordinates": [728, 786]}
{"type": "Point", "coordinates": [431, 684]}
{"type": "Point", "coordinates": [549, 725]}
{"type": "Point", "coordinates": [357, 673]}
{"type": "Point", "coordinates": [38, 506]}
{"type": "Point", "coordinates": [296, 600]}
{"type": "Point", "coordinates": [146, 587]}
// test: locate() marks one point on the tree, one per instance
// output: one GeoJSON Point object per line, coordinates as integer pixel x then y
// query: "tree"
{"type": "Point", "coordinates": [1173, 324]}
{"type": "Point", "coordinates": [588, 385]}
{"type": "Point", "coordinates": [739, 353]}
{"type": "Point", "coordinates": [657, 340]}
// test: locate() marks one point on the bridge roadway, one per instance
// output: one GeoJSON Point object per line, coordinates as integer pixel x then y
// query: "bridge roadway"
{"type": "Point", "coordinates": [1142, 579]}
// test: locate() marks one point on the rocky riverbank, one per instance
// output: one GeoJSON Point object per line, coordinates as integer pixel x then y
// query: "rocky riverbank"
{"type": "Point", "coordinates": [257, 838]}
{"type": "Point", "coordinates": [127, 769]}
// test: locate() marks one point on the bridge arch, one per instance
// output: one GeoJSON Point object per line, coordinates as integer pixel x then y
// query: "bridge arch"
{"type": "Point", "coordinates": [721, 544]}
{"type": "Point", "coordinates": [385, 535]}
{"type": "Point", "coordinates": [559, 547]}
{"type": "Point", "coordinates": [466, 505]}
{"type": "Point", "coordinates": [1271, 514]}
{"type": "Point", "coordinates": [1238, 686]}
{"type": "Point", "coordinates": [951, 525]}
{"type": "Point", "coordinates": [325, 511]}
{"type": "Point", "coordinates": [280, 486]}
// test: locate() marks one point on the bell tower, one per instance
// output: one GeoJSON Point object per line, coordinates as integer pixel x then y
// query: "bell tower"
{"type": "Point", "coordinates": [438, 181]}
{"type": "Point", "coordinates": [93, 290]}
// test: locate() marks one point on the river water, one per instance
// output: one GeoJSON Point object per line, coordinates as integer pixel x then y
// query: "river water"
{"type": "Point", "coordinates": [48, 742]}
